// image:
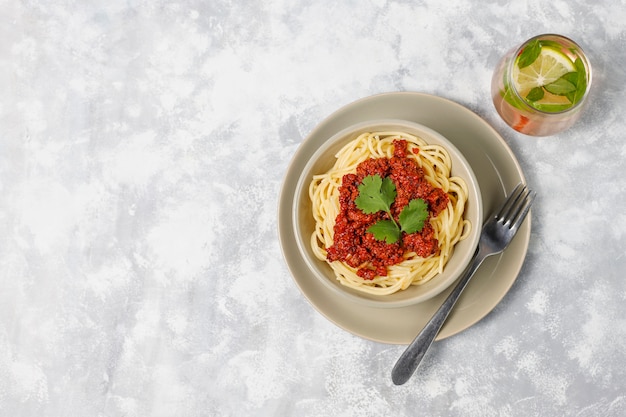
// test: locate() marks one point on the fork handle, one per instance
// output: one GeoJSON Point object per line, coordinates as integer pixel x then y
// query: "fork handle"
{"type": "Point", "coordinates": [412, 356]}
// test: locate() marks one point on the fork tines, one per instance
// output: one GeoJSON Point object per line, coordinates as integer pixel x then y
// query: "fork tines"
{"type": "Point", "coordinates": [515, 208]}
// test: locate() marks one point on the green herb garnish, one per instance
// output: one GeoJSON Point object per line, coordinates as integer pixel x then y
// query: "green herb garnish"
{"type": "Point", "coordinates": [579, 79]}
{"type": "Point", "coordinates": [378, 194]}
{"type": "Point", "coordinates": [560, 87]}
{"type": "Point", "coordinates": [386, 230]}
{"type": "Point", "coordinates": [413, 216]}
{"type": "Point", "coordinates": [529, 54]}
{"type": "Point", "coordinates": [535, 94]}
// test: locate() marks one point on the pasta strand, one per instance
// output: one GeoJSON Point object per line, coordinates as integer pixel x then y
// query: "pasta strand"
{"type": "Point", "coordinates": [450, 227]}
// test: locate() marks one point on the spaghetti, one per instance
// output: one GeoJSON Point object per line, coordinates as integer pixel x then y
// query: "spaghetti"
{"type": "Point", "coordinates": [378, 267]}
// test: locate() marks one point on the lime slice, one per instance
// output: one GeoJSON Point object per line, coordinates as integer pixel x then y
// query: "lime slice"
{"type": "Point", "coordinates": [550, 65]}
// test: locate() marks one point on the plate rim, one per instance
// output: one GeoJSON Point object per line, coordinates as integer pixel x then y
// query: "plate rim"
{"type": "Point", "coordinates": [285, 216]}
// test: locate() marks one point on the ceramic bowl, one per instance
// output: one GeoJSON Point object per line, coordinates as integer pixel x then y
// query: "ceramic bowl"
{"type": "Point", "coordinates": [324, 158]}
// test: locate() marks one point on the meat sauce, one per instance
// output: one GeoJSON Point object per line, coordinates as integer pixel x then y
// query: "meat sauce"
{"type": "Point", "coordinates": [356, 247]}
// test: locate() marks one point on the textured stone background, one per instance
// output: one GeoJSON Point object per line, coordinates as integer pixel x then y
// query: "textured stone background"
{"type": "Point", "coordinates": [142, 149]}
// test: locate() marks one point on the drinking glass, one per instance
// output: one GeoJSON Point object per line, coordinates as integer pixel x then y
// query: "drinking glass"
{"type": "Point", "coordinates": [540, 87]}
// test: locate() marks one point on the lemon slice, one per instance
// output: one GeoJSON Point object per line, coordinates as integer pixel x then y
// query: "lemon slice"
{"type": "Point", "coordinates": [549, 66]}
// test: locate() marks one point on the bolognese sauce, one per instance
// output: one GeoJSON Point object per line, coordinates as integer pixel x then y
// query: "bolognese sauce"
{"type": "Point", "coordinates": [358, 248]}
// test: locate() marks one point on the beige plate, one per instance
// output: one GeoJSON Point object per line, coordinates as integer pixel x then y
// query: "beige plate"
{"type": "Point", "coordinates": [496, 170]}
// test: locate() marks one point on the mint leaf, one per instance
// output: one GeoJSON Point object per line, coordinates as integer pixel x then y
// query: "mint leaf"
{"type": "Point", "coordinates": [552, 108]}
{"type": "Point", "coordinates": [413, 216]}
{"type": "Point", "coordinates": [535, 94]}
{"type": "Point", "coordinates": [529, 54]}
{"type": "Point", "coordinates": [375, 194]}
{"type": "Point", "coordinates": [385, 230]}
{"type": "Point", "coordinates": [560, 87]}
{"type": "Point", "coordinates": [579, 79]}
{"type": "Point", "coordinates": [572, 77]}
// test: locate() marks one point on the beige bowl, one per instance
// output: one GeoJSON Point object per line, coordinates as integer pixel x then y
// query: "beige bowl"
{"type": "Point", "coordinates": [324, 158]}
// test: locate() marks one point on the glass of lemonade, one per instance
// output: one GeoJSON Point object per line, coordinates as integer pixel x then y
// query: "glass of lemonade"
{"type": "Point", "coordinates": [540, 87]}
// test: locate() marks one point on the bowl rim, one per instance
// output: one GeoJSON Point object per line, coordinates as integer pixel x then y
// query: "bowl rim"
{"type": "Point", "coordinates": [386, 301]}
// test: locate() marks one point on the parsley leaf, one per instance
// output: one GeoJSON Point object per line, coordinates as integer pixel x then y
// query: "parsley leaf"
{"type": "Point", "coordinates": [378, 194]}
{"type": "Point", "coordinates": [375, 194]}
{"type": "Point", "coordinates": [413, 216]}
{"type": "Point", "coordinates": [385, 230]}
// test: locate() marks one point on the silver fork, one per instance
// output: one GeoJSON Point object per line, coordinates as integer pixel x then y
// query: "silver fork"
{"type": "Point", "coordinates": [497, 233]}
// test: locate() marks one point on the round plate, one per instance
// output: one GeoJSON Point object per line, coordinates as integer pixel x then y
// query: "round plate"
{"type": "Point", "coordinates": [497, 172]}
